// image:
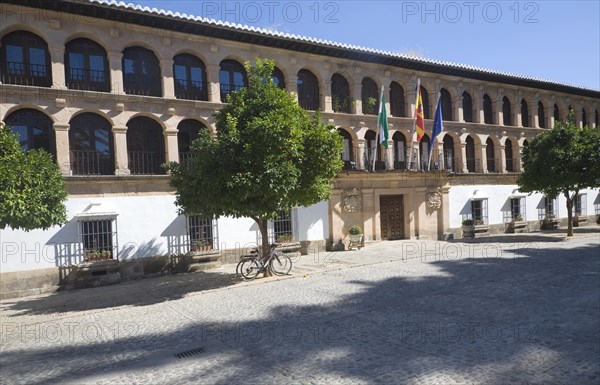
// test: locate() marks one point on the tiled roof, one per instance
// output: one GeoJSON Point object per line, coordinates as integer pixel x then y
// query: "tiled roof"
{"type": "Point", "coordinates": [153, 17]}
{"type": "Point", "coordinates": [308, 39]}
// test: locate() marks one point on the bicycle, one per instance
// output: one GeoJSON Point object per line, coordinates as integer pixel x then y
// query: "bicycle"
{"type": "Point", "coordinates": [250, 266]}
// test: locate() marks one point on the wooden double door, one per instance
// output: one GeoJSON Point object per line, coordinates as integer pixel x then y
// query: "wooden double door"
{"type": "Point", "coordinates": [391, 213]}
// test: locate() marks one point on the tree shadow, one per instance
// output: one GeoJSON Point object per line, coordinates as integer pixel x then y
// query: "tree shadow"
{"type": "Point", "coordinates": [531, 319]}
{"type": "Point", "coordinates": [546, 236]}
{"type": "Point", "coordinates": [142, 292]}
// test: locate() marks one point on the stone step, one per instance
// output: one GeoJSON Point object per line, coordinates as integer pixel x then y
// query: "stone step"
{"type": "Point", "coordinates": [204, 266]}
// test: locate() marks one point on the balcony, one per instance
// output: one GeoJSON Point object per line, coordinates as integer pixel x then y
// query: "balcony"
{"type": "Point", "coordinates": [26, 74]}
{"type": "Point", "coordinates": [145, 163]}
{"type": "Point", "coordinates": [91, 163]}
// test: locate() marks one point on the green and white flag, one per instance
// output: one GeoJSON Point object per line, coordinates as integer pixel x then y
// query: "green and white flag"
{"type": "Point", "coordinates": [382, 121]}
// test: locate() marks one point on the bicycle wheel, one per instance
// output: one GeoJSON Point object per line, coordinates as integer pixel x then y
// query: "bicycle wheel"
{"type": "Point", "coordinates": [281, 264]}
{"type": "Point", "coordinates": [249, 269]}
{"type": "Point", "coordinates": [238, 271]}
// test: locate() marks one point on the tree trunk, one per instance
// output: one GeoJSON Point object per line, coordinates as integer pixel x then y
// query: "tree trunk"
{"type": "Point", "coordinates": [570, 212]}
{"type": "Point", "coordinates": [265, 247]}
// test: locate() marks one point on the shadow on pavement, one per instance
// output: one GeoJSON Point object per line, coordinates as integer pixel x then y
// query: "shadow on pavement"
{"type": "Point", "coordinates": [133, 293]}
{"type": "Point", "coordinates": [546, 236]}
{"type": "Point", "coordinates": [480, 320]}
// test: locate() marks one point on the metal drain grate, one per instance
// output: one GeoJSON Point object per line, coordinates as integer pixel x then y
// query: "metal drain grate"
{"type": "Point", "coordinates": [190, 353]}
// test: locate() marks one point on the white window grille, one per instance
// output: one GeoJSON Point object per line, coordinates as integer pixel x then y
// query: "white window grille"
{"type": "Point", "coordinates": [581, 205]}
{"type": "Point", "coordinates": [550, 209]}
{"type": "Point", "coordinates": [517, 210]}
{"type": "Point", "coordinates": [282, 227]}
{"type": "Point", "coordinates": [98, 237]}
{"type": "Point", "coordinates": [202, 233]}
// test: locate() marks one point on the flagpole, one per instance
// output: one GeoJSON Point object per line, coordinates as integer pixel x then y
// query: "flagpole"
{"type": "Point", "coordinates": [410, 149]}
{"type": "Point", "coordinates": [433, 138]}
{"type": "Point", "coordinates": [377, 138]}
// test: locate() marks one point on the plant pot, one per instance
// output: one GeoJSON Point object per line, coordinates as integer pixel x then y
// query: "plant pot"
{"type": "Point", "coordinates": [468, 231]}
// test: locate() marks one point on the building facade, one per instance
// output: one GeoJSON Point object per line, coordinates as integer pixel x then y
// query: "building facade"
{"type": "Point", "coordinates": [112, 91]}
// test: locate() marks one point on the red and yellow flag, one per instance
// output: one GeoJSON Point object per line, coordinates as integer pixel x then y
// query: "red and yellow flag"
{"type": "Point", "coordinates": [419, 116]}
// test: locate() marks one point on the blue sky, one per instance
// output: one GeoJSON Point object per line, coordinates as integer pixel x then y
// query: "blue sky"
{"type": "Point", "coordinates": [555, 40]}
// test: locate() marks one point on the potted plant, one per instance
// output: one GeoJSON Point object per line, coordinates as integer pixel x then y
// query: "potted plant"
{"type": "Point", "coordinates": [468, 228]}
{"type": "Point", "coordinates": [200, 246]}
{"type": "Point", "coordinates": [284, 238]}
{"type": "Point", "coordinates": [355, 233]}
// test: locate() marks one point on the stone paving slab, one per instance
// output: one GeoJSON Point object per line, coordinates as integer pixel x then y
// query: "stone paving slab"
{"type": "Point", "coordinates": [521, 310]}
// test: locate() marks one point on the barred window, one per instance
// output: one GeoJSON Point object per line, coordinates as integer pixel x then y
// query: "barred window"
{"type": "Point", "coordinates": [282, 227]}
{"type": "Point", "coordinates": [517, 210]}
{"type": "Point", "coordinates": [99, 239]}
{"type": "Point", "coordinates": [549, 209]}
{"type": "Point", "coordinates": [581, 205]}
{"type": "Point", "coordinates": [202, 233]}
{"type": "Point", "coordinates": [479, 212]}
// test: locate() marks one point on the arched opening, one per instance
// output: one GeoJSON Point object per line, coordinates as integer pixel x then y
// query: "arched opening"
{"type": "Point", "coordinates": [91, 145]}
{"type": "Point", "coordinates": [467, 107]}
{"type": "Point", "coordinates": [308, 91]}
{"type": "Point", "coordinates": [397, 100]}
{"type": "Point", "coordinates": [490, 155]}
{"type": "Point", "coordinates": [448, 147]}
{"type": "Point", "coordinates": [508, 153]}
{"type": "Point", "coordinates": [340, 94]}
{"type": "Point", "coordinates": [470, 153]}
{"type": "Point", "coordinates": [141, 72]}
{"type": "Point", "coordinates": [86, 66]}
{"type": "Point", "coordinates": [187, 131]}
{"type": "Point", "coordinates": [400, 151]}
{"type": "Point", "coordinates": [524, 113]}
{"type": "Point", "coordinates": [190, 77]}
{"type": "Point", "coordinates": [584, 121]}
{"type": "Point", "coordinates": [232, 77]}
{"type": "Point", "coordinates": [373, 152]}
{"type": "Point", "coordinates": [424, 152]}
{"type": "Point", "coordinates": [34, 129]}
{"type": "Point", "coordinates": [25, 60]}
{"type": "Point", "coordinates": [488, 110]}
{"type": "Point", "coordinates": [347, 152]}
{"type": "Point", "coordinates": [556, 113]}
{"type": "Point", "coordinates": [446, 101]}
{"type": "Point", "coordinates": [425, 99]}
{"type": "Point", "coordinates": [278, 78]}
{"type": "Point", "coordinates": [369, 96]}
{"type": "Point", "coordinates": [541, 115]}
{"type": "Point", "coordinates": [145, 146]}
{"type": "Point", "coordinates": [506, 112]}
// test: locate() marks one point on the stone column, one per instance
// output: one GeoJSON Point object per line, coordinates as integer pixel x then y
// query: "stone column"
{"type": "Point", "coordinates": [325, 87]}
{"type": "Point", "coordinates": [369, 215]}
{"type": "Point", "coordinates": [498, 114]}
{"type": "Point", "coordinates": [168, 81]}
{"type": "Point", "coordinates": [356, 97]}
{"type": "Point", "coordinates": [482, 167]}
{"type": "Point", "coordinates": [171, 145]}
{"type": "Point", "coordinates": [549, 113]}
{"type": "Point", "coordinates": [214, 86]}
{"type": "Point", "coordinates": [57, 62]}
{"type": "Point", "coordinates": [63, 153]}
{"type": "Point", "coordinates": [336, 223]}
{"type": "Point", "coordinates": [478, 113]}
{"type": "Point", "coordinates": [502, 158]}
{"type": "Point", "coordinates": [463, 154]}
{"type": "Point", "coordinates": [121, 157]}
{"type": "Point", "coordinates": [291, 84]}
{"type": "Point", "coordinates": [115, 64]}
{"type": "Point", "coordinates": [360, 156]}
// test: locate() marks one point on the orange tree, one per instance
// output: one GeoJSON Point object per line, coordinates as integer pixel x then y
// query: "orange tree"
{"type": "Point", "coordinates": [268, 155]}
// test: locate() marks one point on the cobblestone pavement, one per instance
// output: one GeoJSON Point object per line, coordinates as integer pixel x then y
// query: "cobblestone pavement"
{"type": "Point", "coordinates": [518, 309]}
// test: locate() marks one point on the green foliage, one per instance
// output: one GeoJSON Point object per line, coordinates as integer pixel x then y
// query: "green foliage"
{"type": "Point", "coordinates": [564, 159]}
{"type": "Point", "coordinates": [468, 222]}
{"type": "Point", "coordinates": [32, 189]}
{"type": "Point", "coordinates": [355, 230]}
{"type": "Point", "coordinates": [370, 106]}
{"type": "Point", "coordinates": [268, 155]}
